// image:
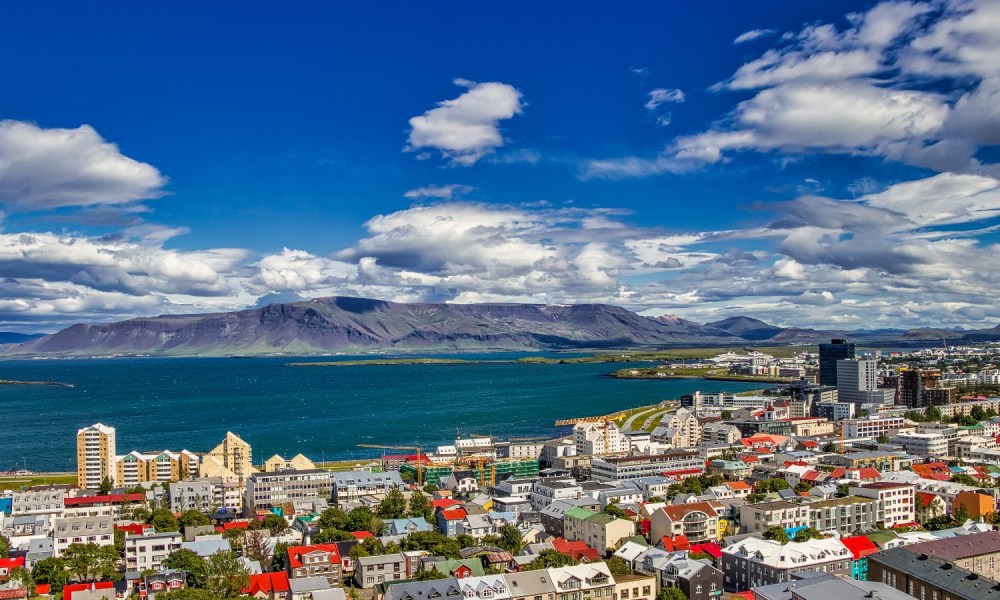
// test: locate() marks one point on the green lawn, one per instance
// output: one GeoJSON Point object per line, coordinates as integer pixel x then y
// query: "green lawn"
{"type": "Point", "coordinates": [18, 482]}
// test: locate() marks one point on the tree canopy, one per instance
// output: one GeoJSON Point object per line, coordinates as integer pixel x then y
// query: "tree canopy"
{"type": "Point", "coordinates": [193, 518]}
{"type": "Point", "coordinates": [163, 520]}
{"type": "Point", "coordinates": [393, 506]}
{"type": "Point", "coordinates": [776, 533]}
{"type": "Point", "coordinates": [90, 562]}
{"type": "Point", "coordinates": [187, 560]}
{"type": "Point", "coordinates": [225, 577]}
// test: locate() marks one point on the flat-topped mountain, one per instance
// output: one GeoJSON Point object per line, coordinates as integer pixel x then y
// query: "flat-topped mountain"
{"type": "Point", "coordinates": [340, 324]}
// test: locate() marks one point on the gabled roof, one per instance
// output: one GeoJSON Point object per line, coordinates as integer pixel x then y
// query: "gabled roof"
{"type": "Point", "coordinates": [454, 514]}
{"type": "Point", "coordinates": [860, 546]}
{"type": "Point", "coordinates": [295, 553]}
{"type": "Point", "coordinates": [267, 583]}
{"type": "Point", "coordinates": [677, 512]}
{"type": "Point", "coordinates": [710, 548]}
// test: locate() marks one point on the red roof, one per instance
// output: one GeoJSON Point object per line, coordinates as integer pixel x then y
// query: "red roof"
{"type": "Point", "coordinates": [860, 546]}
{"type": "Point", "coordinates": [360, 535]}
{"type": "Point", "coordinates": [267, 583]}
{"type": "Point", "coordinates": [111, 499]}
{"type": "Point", "coordinates": [746, 594]}
{"type": "Point", "coordinates": [810, 444]}
{"type": "Point", "coordinates": [575, 550]}
{"type": "Point", "coordinates": [133, 528]}
{"type": "Point", "coordinates": [232, 525]}
{"type": "Point", "coordinates": [12, 563]}
{"type": "Point", "coordinates": [683, 472]}
{"type": "Point", "coordinates": [738, 485]}
{"type": "Point", "coordinates": [454, 514]}
{"type": "Point", "coordinates": [13, 594]}
{"type": "Point", "coordinates": [935, 470]}
{"type": "Point", "coordinates": [444, 502]}
{"type": "Point", "coordinates": [710, 548]}
{"type": "Point", "coordinates": [749, 458]}
{"type": "Point", "coordinates": [924, 498]}
{"type": "Point", "coordinates": [69, 590]}
{"type": "Point", "coordinates": [295, 553]}
{"type": "Point", "coordinates": [673, 544]}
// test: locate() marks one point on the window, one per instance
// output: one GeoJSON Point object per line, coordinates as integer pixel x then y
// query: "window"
{"type": "Point", "coordinates": [625, 594]}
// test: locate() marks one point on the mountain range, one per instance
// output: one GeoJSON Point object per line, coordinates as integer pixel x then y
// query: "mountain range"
{"type": "Point", "coordinates": [355, 325]}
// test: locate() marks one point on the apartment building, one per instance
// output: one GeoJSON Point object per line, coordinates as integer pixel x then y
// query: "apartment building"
{"type": "Point", "coordinates": [871, 428]}
{"type": "Point", "coordinates": [135, 467]}
{"type": "Point", "coordinates": [266, 490]}
{"type": "Point", "coordinates": [82, 530]}
{"type": "Point", "coordinates": [678, 463]}
{"type": "Point", "coordinates": [922, 444]}
{"type": "Point", "coordinates": [95, 456]}
{"type": "Point", "coordinates": [698, 521]}
{"type": "Point", "coordinates": [317, 560]}
{"type": "Point", "coordinates": [370, 571]}
{"type": "Point", "coordinates": [928, 577]}
{"type": "Point", "coordinates": [680, 429]}
{"type": "Point", "coordinates": [234, 455]}
{"type": "Point", "coordinates": [147, 552]}
{"type": "Point", "coordinates": [720, 433]}
{"type": "Point", "coordinates": [896, 503]}
{"type": "Point", "coordinates": [846, 516]}
{"type": "Point", "coordinates": [753, 562]}
{"type": "Point", "coordinates": [592, 580]}
{"type": "Point", "coordinates": [350, 486]}
{"type": "Point", "coordinates": [43, 502]}
{"type": "Point", "coordinates": [598, 530]}
{"type": "Point", "coordinates": [599, 438]}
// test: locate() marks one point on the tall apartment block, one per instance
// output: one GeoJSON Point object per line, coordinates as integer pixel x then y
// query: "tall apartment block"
{"type": "Point", "coordinates": [829, 354]}
{"type": "Point", "coordinates": [95, 455]}
{"type": "Point", "coordinates": [235, 455]}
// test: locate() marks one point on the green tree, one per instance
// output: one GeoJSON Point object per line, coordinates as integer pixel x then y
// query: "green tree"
{"type": "Point", "coordinates": [932, 413]}
{"type": "Point", "coordinates": [843, 490]}
{"type": "Point", "coordinates": [235, 537]}
{"type": "Point", "coordinates": [393, 506]}
{"type": "Point", "coordinates": [802, 486]}
{"type": "Point", "coordinates": [277, 525]}
{"type": "Point", "coordinates": [550, 558]}
{"type": "Point", "coordinates": [163, 520]}
{"type": "Point", "coordinates": [358, 551]}
{"type": "Point", "coordinates": [618, 566]}
{"type": "Point", "coordinates": [280, 558]}
{"type": "Point", "coordinates": [965, 479]}
{"type": "Point", "coordinates": [141, 514]}
{"type": "Point", "coordinates": [882, 439]}
{"type": "Point", "coordinates": [360, 519]}
{"type": "Point", "coordinates": [326, 536]}
{"type": "Point", "coordinates": [188, 560]}
{"type": "Point", "coordinates": [106, 486]}
{"type": "Point", "coordinates": [4, 547]}
{"type": "Point", "coordinates": [420, 506]}
{"type": "Point", "coordinates": [186, 594]}
{"type": "Point", "coordinates": [613, 510]}
{"type": "Point", "coordinates": [727, 415]}
{"type": "Point", "coordinates": [962, 515]}
{"type": "Point", "coordinates": [776, 533]}
{"type": "Point", "coordinates": [332, 518]}
{"type": "Point", "coordinates": [510, 538]}
{"type": "Point", "coordinates": [430, 574]}
{"type": "Point", "coordinates": [430, 488]}
{"type": "Point", "coordinates": [23, 578]}
{"type": "Point", "coordinates": [225, 577]}
{"type": "Point", "coordinates": [671, 593]}
{"type": "Point", "coordinates": [193, 518]}
{"type": "Point", "coordinates": [51, 571]}
{"type": "Point", "coordinates": [809, 533]}
{"type": "Point", "coordinates": [828, 448]}
{"type": "Point", "coordinates": [90, 562]}
{"type": "Point", "coordinates": [119, 541]}
{"type": "Point", "coordinates": [465, 540]}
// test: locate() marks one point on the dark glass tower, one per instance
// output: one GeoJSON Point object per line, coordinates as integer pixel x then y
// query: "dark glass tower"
{"type": "Point", "coordinates": [829, 354]}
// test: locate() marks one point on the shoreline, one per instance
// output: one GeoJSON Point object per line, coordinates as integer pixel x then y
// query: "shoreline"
{"type": "Point", "coordinates": [19, 382]}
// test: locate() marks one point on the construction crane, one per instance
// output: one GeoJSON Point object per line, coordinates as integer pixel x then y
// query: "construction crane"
{"type": "Point", "coordinates": [420, 476]}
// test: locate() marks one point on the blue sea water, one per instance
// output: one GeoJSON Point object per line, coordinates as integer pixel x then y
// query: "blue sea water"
{"type": "Point", "coordinates": [190, 403]}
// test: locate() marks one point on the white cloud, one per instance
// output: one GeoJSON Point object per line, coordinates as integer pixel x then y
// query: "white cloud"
{"type": "Point", "coordinates": [443, 192]}
{"type": "Point", "coordinates": [753, 34]}
{"type": "Point", "coordinates": [468, 127]}
{"type": "Point", "coordinates": [48, 168]}
{"type": "Point", "coordinates": [661, 95]}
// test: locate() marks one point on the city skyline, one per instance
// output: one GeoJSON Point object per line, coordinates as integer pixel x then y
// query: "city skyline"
{"type": "Point", "coordinates": [830, 166]}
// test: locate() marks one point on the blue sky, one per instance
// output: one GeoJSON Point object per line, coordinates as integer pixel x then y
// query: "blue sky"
{"type": "Point", "coordinates": [812, 164]}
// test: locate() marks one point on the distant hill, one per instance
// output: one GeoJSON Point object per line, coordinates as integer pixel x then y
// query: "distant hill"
{"type": "Point", "coordinates": [9, 337]}
{"type": "Point", "coordinates": [353, 325]}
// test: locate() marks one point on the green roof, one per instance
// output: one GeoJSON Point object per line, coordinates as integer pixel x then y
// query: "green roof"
{"type": "Point", "coordinates": [881, 537]}
{"type": "Point", "coordinates": [448, 566]}
{"type": "Point", "coordinates": [602, 518]}
{"type": "Point", "coordinates": [579, 513]}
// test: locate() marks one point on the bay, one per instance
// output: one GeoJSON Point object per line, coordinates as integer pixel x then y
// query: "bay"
{"type": "Point", "coordinates": [322, 412]}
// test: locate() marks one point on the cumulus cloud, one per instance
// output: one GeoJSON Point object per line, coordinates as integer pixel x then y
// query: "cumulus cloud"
{"type": "Point", "coordinates": [858, 90]}
{"type": "Point", "coordinates": [442, 192]}
{"type": "Point", "coordinates": [753, 34]}
{"type": "Point", "coordinates": [466, 128]}
{"type": "Point", "coordinates": [49, 168]}
{"type": "Point", "coordinates": [661, 95]}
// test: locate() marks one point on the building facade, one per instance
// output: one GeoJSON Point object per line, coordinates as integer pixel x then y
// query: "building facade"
{"type": "Point", "coordinates": [95, 456]}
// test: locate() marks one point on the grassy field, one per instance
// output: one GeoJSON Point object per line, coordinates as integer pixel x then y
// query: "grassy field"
{"type": "Point", "coordinates": [643, 411]}
{"type": "Point", "coordinates": [9, 482]}
{"type": "Point", "coordinates": [350, 465]}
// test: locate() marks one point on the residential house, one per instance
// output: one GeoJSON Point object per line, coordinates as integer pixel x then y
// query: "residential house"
{"type": "Point", "coordinates": [161, 582]}
{"type": "Point", "coordinates": [698, 521]}
{"type": "Point", "coordinates": [861, 548]}
{"type": "Point", "coordinates": [450, 520]}
{"type": "Point", "coordinates": [406, 526]}
{"type": "Point", "coordinates": [978, 505]}
{"type": "Point", "coordinates": [317, 560]}
{"type": "Point", "coordinates": [756, 518]}
{"type": "Point", "coordinates": [487, 587]}
{"type": "Point", "coordinates": [434, 589]}
{"type": "Point", "coordinates": [698, 579]}
{"type": "Point", "coordinates": [896, 502]}
{"type": "Point", "coordinates": [928, 506]}
{"type": "Point", "coordinates": [582, 581]}
{"type": "Point", "coordinates": [268, 586]}
{"type": "Point", "coordinates": [530, 585]}
{"type": "Point", "coordinates": [370, 571]}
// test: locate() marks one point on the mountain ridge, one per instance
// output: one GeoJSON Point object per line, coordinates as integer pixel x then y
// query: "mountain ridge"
{"type": "Point", "coordinates": [358, 325]}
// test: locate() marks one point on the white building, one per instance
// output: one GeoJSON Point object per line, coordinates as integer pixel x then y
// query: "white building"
{"type": "Point", "coordinates": [144, 552]}
{"type": "Point", "coordinates": [680, 429]}
{"type": "Point", "coordinates": [82, 530]}
{"type": "Point", "coordinates": [895, 501]}
{"type": "Point", "coordinates": [922, 444]}
{"type": "Point", "coordinates": [599, 438]}
{"type": "Point", "coordinates": [872, 427]}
